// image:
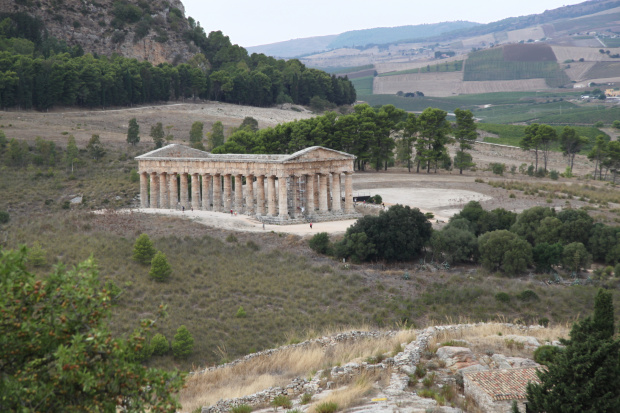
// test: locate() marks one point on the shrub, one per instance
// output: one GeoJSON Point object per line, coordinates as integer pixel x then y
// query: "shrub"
{"type": "Point", "coordinates": [160, 269]}
{"type": "Point", "coordinates": [143, 250]}
{"type": "Point", "coordinates": [320, 242]}
{"type": "Point", "coordinates": [617, 270]}
{"type": "Point", "coordinates": [326, 407]}
{"type": "Point", "coordinates": [281, 401]}
{"type": "Point", "coordinates": [546, 354]}
{"type": "Point", "coordinates": [543, 322]}
{"type": "Point", "coordinates": [4, 217]}
{"type": "Point", "coordinates": [502, 297]}
{"type": "Point", "coordinates": [231, 238]}
{"type": "Point", "coordinates": [429, 380]}
{"type": "Point", "coordinates": [37, 255]}
{"type": "Point", "coordinates": [377, 199]}
{"type": "Point", "coordinates": [160, 344]}
{"type": "Point", "coordinates": [454, 243]}
{"type": "Point", "coordinates": [530, 170]}
{"type": "Point", "coordinates": [241, 313]}
{"type": "Point", "coordinates": [528, 295]}
{"type": "Point", "coordinates": [553, 174]}
{"type": "Point", "coordinates": [498, 168]}
{"type": "Point", "coordinates": [420, 371]}
{"type": "Point", "coordinates": [183, 343]}
{"type": "Point", "coordinates": [305, 398]}
{"type": "Point", "coordinates": [242, 408]}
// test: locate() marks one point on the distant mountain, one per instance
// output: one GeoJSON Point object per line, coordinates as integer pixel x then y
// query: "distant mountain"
{"type": "Point", "coordinates": [295, 47]}
{"type": "Point", "coordinates": [358, 38]}
{"type": "Point", "coordinates": [384, 35]}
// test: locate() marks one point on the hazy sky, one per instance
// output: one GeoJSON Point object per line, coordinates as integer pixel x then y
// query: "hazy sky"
{"type": "Point", "coordinates": [257, 22]}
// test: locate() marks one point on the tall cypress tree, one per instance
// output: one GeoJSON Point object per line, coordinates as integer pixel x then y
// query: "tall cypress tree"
{"type": "Point", "coordinates": [585, 376]}
{"type": "Point", "coordinates": [133, 132]}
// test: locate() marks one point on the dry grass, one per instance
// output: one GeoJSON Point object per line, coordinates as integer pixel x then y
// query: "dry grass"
{"type": "Point", "coordinates": [280, 368]}
{"type": "Point", "coordinates": [491, 337]}
{"type": "Point", "coordinates": [352, 394]}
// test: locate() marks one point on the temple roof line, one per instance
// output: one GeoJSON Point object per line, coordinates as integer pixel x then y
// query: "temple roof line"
{"type": "Point", "coordinates": [182, 152]}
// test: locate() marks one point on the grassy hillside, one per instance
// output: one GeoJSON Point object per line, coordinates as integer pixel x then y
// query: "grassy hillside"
{"type": "Point", "coordinates": [363, 85]}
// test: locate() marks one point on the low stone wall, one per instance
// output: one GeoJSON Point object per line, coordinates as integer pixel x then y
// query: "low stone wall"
{"type": "Point", "coordinates": [402, 364]}
{"type": "Point", "coordinates": [310, 218]}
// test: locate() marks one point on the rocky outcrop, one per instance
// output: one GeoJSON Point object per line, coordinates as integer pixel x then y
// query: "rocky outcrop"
{"type": "Point", "coordinates": [89, 24]}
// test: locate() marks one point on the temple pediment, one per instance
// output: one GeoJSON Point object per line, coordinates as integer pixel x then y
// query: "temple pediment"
{"type": "Point", "coordinates": [317, 153]}
{"type": "Point", "coordinates": [174, 151]}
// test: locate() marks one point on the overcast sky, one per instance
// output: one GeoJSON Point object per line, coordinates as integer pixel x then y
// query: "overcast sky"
{"type": "Point", "coordinates": [257, 22]}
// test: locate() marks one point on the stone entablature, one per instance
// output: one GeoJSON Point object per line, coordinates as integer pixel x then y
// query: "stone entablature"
{"type": "Point", "coordinates": [276, 188]}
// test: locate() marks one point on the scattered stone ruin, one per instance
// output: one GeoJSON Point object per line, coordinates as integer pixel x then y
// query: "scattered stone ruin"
{"type": "Point", "coordinates": [277, 189]}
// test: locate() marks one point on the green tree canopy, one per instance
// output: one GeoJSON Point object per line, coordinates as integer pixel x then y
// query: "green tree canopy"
{"type": "Point", "coordinates": [398, 234]}
{"type": "Point", "coordinates": [158, 135]}
{"type": "Point", "coordinates": [465, 135]}
{"type": "Point", "coordinates": [160, 269]}
{"type": "Point", "coordinates": [504, 250]}
{"type": "Point", "coordinates": [585, 375]}
{"type": "Point", "coordinates": [182, 343]}
{"type": "Point", "coordinates": [133, 132]}
{"type": "Point", "coordinates": [143, 250]}
{"type": "Point", "coordinates": [56, 352]}
{"type": "Point", "coordinates": [95, 148]}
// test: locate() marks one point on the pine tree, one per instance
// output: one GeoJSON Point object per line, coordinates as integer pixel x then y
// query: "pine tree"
{"type": "Point", "coordinates": [585, 376]}
{"type": "Point", "coordinates": [157, 133]}
{"type": "Point", "coordinates": [133, 132]}
{"type": "Point", "coordinates": [183, 343]}
{"type": "Point", "coordinates": [160, 269]}
{"type": "Point", "coordinates": [195, 136]}
{"type": "Point", "coordinates": [95, 148]}
{"type": "Point", "coordinates": [160, 345]}
{"type": "Point", "coordinates": [71, 156]}
{"type": "Point", "coordinates": [143, 250]}
{"type": "Point", "coordinates": [465, 135]}
{"type": "Point", "coordinates": [216, 137]}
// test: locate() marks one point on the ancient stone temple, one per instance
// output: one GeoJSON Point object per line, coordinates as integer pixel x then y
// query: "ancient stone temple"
{"type": "Point", "coordinates": [315, 183]}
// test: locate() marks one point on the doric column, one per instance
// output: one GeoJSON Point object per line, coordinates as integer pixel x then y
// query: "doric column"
{"type": "Point", "coordinates": [316, 179]}
{"type": "Point", "coordinates": [295, 195]}
{"type": "Point", "coordinates": [323, 194]}
{"type": "Point", "coordinates": [227, 193]}
{"type": "Point", "coordinates": [217, 192]}
{"type": "Point", "coordinates": [206, 189]}
{"type": "Point", "coordinates": [260, 200]}
{"type": "Point", "coordinates": [196, 191]}
{"type": "Point", "coordinates": [310, 193]}
{"type": "Point", "coordinates": [330, 191]}
{"type": "Point", "coordinates": [154, 190]}
{"type": "Point", "coordinates": [184, 194]}
{"type": "Point", "coordinates": [174, 190]}
{"type": "Point", "coordinates": [271, 195]}
{"type": "Point", "coordinates": [348, 193]}
{"type": "Point", "coordinates": [282, 198]}
{"type": "Point", "coordinates": [164, 198]}
{"type": "Point", "coordinates": [239, 193]}
{"type": "Point", "coordinates": [249, 194]}
{"type": "Point", "coordinates": [336, 197]}
{"type": "Point", "coordinates": [144, 190]}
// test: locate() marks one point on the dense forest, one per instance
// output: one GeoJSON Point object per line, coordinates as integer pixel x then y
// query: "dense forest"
{"type": "Point", "coordinates": [38, 71]}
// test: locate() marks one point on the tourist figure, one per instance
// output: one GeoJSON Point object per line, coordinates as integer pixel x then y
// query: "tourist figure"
{"type": "Point", "coordinates": [231, 212]}
{"type": "Point", "coordinates": [263, 226]}
{"type": "Point", "coordinates": [183, 209]}
{"type": "Point", "coordinates": [311, 225]}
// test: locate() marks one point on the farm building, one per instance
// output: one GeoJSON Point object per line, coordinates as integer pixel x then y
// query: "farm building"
{"type": "Point", "coordinates": [611, 93]}
{"type": "Point", "coordinates": [495, 390]}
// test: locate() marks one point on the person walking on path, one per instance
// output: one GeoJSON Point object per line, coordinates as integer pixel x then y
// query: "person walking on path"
{"type": "Point", "coordinates": [311, 225]}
